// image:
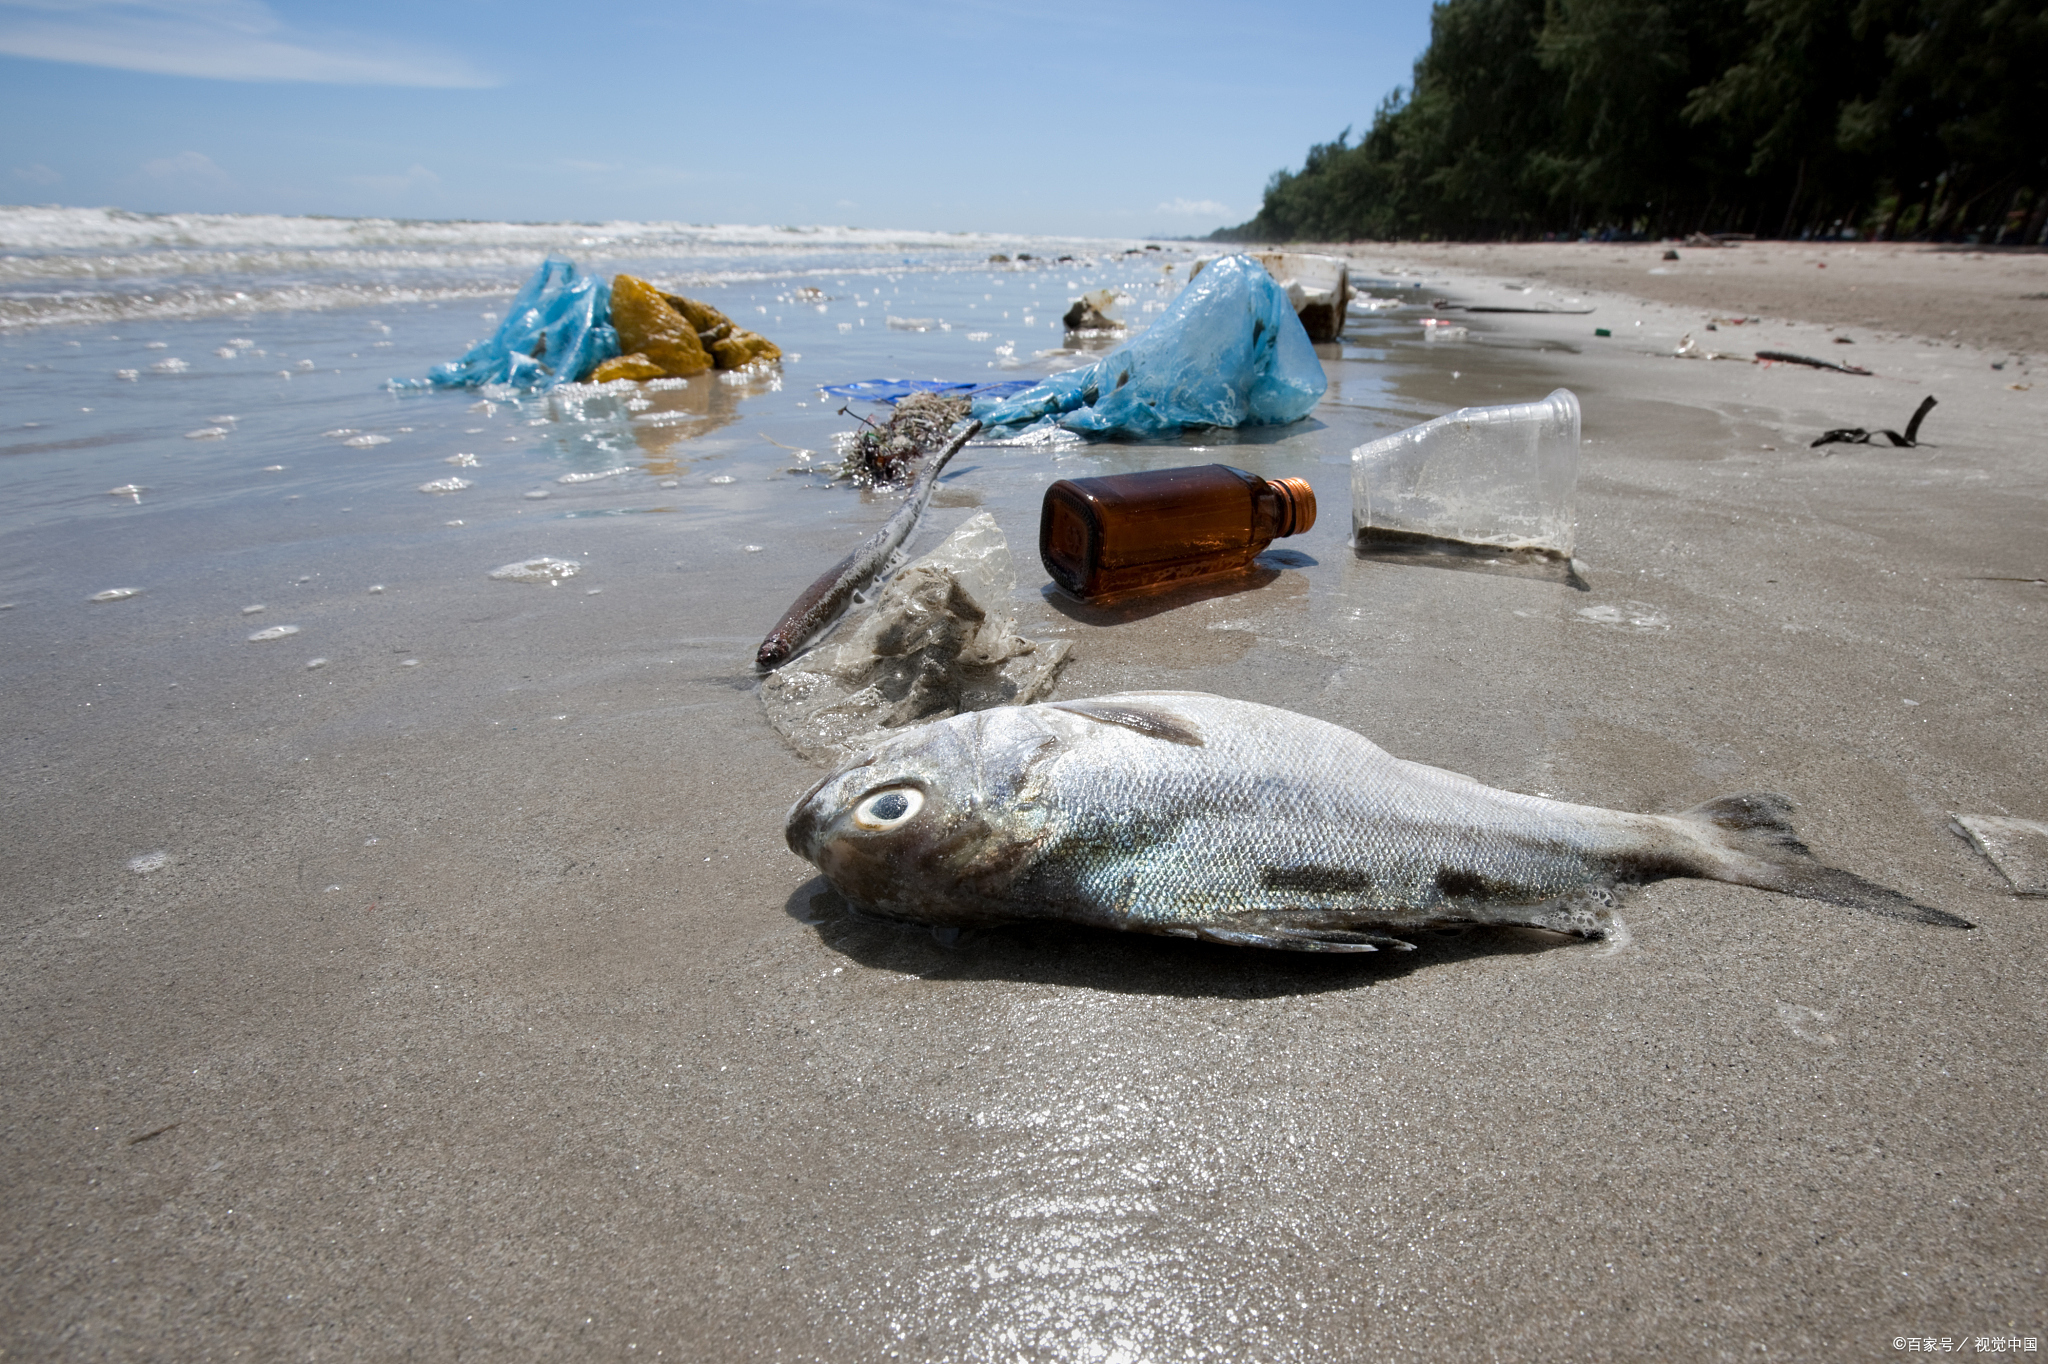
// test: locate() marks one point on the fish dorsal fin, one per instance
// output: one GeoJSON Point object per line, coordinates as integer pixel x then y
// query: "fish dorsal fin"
{"type": "Point", "coordinates": [1150, 721]}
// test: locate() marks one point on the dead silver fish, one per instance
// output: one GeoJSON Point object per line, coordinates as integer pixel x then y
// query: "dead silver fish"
{"type": "Point", "coordinates": [1203, 817]}
{"type": "Point", "coordinates": [821, 602]}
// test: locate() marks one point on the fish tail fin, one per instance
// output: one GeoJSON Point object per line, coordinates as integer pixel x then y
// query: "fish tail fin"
{"type": "Point", "coordinates": [1749, 841]}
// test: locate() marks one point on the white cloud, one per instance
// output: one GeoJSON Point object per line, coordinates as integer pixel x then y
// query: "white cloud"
{"type": "Point", "coordinates": [1195, 208]}
{"type": "Point", "coordinates": [234, 40]}
{"type": "Point", "coordinates": [38, 174]}
{"type": "Point", "coordinates": [187, 168]}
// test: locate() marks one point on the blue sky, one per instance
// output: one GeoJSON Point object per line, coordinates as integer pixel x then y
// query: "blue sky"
{"type": "Point", "coordinates": [1060, 116]}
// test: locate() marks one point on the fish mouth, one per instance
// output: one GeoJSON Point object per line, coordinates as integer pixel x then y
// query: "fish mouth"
{"type": "Point", "coordinates": [812, 814]}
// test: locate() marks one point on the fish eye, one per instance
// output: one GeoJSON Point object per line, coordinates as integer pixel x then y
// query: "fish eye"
{"type": "Point", "coordinates": [887, 809]}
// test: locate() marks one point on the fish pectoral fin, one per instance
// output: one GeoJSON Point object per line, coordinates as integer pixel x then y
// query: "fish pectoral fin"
{"type": "Point", "coordinates": [1301, 939]}
{"type": "Point", "coordinates": [1152, 721]}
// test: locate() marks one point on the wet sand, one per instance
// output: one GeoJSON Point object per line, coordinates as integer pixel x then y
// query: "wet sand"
{"type": "Point", "coordinates": [480, 1008]}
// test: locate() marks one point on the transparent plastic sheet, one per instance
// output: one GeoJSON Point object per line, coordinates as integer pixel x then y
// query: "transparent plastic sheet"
{"type": "Point", "coordinates": [556, 329]}
{"type": "Point", "coordinates": [1229, 351]}
{"type": "Point", "coordinates": [1499, 477]}
{"type": "Point", "coordinates": [938, 641]}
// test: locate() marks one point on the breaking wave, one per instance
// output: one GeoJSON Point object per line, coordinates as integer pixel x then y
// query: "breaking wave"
{"type": "Point", "coordinates": [89, 265]}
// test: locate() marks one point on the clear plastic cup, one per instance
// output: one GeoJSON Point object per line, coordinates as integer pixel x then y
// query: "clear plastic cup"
{"type": "Point", "coordinates": [1495, 477]}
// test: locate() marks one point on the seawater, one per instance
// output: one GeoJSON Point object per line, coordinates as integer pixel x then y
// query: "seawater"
{"type": "Point", "coordinates": [198, 417]}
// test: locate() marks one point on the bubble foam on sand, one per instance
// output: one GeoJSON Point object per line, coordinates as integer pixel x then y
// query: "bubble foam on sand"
{"type": "Point", "coordinates": [252, 610]}
{"type": "Point", "coordinates": [536, 495]}
{"type": "Point", "coordinates": [173, 365]}
{"type": "Point", "coordinates": [128, 375]}
{"type": "Point", "coordinates": [313, 663]}
{"type": "Point", "coordinates": [149, 862]}
{"type": "Point", "coordinates": [462, 461]}
{"type": "Point", "coordinates": [365, 441]}
{"type": "Point", "coordinates": [207, 433]}
{"type": "Point", "coordinates": [339, 432]}
{"type": "Point", "coordinates": [446, 485]}
{"type": "Point", "coordinates": [132, 491]}
{"type": "Point", "coordinates": [115, 594]}
{"type": "Point", "coordinates": [538, 570]}
{"type": "Point", "coordinates": [594, 475]}
{"type": "Point", "coordinates": [273, 632]}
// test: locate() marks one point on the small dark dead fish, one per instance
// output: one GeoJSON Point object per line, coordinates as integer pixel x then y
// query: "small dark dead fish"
{"type": "Point", "coordinates": [822, 602]}
{"type": "Point", "coordinates": [1786, 357]}
{"type": "Point", "coordinates": [1203, 817]}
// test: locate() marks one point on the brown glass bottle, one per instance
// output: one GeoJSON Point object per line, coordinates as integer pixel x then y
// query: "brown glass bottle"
{"type": "Point", "coordinates": [1103, 538]}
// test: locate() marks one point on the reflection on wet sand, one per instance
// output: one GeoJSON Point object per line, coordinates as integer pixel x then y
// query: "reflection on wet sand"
{"type": "Point", "coordinates": [694, 407]}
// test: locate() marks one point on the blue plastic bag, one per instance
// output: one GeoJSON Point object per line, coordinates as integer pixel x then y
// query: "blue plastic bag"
{"type": "Point", "coordinates": [557, 329]}
{"type": "Point", "coordinates": [1228, 352]}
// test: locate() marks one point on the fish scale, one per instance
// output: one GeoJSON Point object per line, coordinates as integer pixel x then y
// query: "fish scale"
{"type": "Point", "coordinates": [1201, 816]}
{"type": "Point", "coordinates": [1274, 805]}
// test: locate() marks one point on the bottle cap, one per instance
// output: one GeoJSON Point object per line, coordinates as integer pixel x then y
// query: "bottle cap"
{"type": "Point", "coordinates": [1297, 504]}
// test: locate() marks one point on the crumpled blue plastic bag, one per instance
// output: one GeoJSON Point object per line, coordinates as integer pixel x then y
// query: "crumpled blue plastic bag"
{"type": "Point", "coordinates": [557, 329]}
{"type": "Point", "coordinates": [1229, 351]}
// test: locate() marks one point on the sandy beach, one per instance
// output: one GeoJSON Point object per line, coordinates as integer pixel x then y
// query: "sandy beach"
{"type": "Point", "coordinates": [477, 1008]}
{"type": "Point", "coordinates": [1993, 299]}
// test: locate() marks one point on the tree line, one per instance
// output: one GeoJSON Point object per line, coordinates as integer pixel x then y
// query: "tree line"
{"type": "Point", "coordinates": [1887, 119]}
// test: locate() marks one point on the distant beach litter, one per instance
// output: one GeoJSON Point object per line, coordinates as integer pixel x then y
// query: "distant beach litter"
{"type": "Point", "coordinates": [1856, 435]}
{"type": "Point", "coordinates": [1319, 288]}
{"type": "Point", "coordinates": [1785, 357]}
{"type": "Point", "coordinates": [567, 327]}
{"type": "Point", "coordinates": [557, 328]}
{"type": "Point", "coordinates": [1091, 312]}
{"type": "Point", "coordinates": [1229, 351]}
{"type": "Point", "coordinates": [665, 335]}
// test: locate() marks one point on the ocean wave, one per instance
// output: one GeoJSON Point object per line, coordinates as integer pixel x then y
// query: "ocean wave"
{"type": "Point", "coordinates": [21, 311]}
{"type": "Point", "coordinates": [86, 265]}
{"type": "Point", "coordinates": [31, 229]}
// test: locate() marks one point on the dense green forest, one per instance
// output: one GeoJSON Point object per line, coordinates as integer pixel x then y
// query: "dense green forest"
{"type": "Point", "coordinates": [1923, 119]}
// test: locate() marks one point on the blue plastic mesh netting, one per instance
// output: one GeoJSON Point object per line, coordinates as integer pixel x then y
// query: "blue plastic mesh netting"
{"type": "Point", "coordinates": [893, 391]}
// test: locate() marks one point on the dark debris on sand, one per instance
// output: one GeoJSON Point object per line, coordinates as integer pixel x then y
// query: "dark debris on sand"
{"type": "Point", "coordinates": [891, 452]}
